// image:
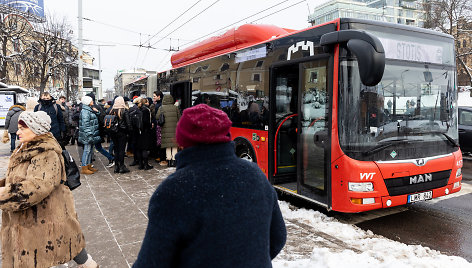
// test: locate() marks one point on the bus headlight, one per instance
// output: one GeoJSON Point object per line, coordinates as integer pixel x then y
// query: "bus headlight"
{"type": "Point", "coordinates": [458, 172]}
{"type": "Point", "coordinates": [361, 186]}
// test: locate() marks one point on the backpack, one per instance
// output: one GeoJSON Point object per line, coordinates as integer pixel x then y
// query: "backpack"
{"type": "Point", "coordinates": [136, 117]}
{"type": "Point", "coordinates": [110, 123]}
{"type": "Point", "coordinates": [72, 171]}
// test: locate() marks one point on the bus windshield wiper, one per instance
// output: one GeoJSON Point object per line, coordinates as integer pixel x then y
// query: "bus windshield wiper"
{"type": "Point", "coordinates": [382, 146]}
{"type": "Point", "coordinates": [449, 138]}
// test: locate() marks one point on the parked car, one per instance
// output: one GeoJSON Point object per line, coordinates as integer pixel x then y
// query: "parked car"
{"type": "Point", "coordinates": [465, 129]}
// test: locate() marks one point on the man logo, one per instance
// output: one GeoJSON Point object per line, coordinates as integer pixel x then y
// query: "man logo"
{"type": "Point", "coordinates": [420, 162]}
{"type": "Point", "coordinates": [421, 178]}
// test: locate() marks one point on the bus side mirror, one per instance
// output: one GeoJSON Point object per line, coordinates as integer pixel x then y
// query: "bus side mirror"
{"type": "Point", "coordinates": [371, 63]}
{"type": "Point", "coordinates": [368, 50]}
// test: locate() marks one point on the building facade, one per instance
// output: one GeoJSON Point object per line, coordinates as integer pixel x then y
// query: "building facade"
{"type": "Point", "coordinates": [464, 54]}
{"type": "Point", "coordinates": [408, 12]}
{"type": "Point", "coordinates": [128, 81]}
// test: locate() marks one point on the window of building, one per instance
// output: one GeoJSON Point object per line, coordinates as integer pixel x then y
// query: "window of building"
{"type": "Point", "coordinates": [195, 79]}
{"type": "Point", "coordinates": [16, 45]}
{"type": "Point", "coordinates": [259, 63]}
{"type": "Point", "coordinates": [464, 43]}
{"type": "Point", "coordinates": [458, 44]}
{"type": "Point", "coordinates": [224, 67]}
{"type": "Point", "coordinates": [217, 77]}
{"type": "Point", "coordinates": [256, 77]}
{"type": "Point", "coordinates": [17, 68]}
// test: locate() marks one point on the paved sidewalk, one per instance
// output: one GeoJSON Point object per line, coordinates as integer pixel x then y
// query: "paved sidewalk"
{"type": "Point", "coordinates": [112, 208]}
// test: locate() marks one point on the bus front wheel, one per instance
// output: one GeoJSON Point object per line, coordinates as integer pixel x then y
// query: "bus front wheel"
{"type": "Point", "coordinates": [245, 152]}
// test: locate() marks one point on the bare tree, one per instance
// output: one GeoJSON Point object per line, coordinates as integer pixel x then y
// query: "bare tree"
{"type": "Point", "coordinates": [49, 52]}
{"type": "Point", "coordinates": [453, 17]}
{"type": "Point", "coordinates": [14, 30]}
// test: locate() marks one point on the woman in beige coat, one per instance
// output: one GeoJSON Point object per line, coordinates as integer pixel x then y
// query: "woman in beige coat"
{"type": "Point", "coordinates": [39, 223]}
{"type": "Point", "coordinates": [172, 114]}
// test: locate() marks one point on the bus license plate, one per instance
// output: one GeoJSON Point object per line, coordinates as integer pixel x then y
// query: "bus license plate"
{"type": "Point", "coordinates": [420, 197]}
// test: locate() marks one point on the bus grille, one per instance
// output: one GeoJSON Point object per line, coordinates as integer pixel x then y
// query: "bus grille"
{"type": "Point", "coordinates": [417, 183]}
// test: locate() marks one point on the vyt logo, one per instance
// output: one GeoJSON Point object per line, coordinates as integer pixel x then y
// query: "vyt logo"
{"type": "Point", "coordinates": [367, 176]}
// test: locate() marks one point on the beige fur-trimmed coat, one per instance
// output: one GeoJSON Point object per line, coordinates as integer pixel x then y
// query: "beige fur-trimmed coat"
{"type": "Point", "coordinates": [39, 223]}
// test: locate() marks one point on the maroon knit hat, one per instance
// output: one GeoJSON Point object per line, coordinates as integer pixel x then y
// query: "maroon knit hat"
{"type": "Point", "coordinates": [202, 124]}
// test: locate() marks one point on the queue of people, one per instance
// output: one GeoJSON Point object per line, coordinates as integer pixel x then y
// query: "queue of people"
{"type": "Point", "coordinates": [192, 214]}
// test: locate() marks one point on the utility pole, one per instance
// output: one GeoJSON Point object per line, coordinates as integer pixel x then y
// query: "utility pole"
{"type": "Point", "coordinates": [81, 72]}
{"type": "Point", "coordinates": [100, 88]}
{"type": "Point", "coordinates": [100, 93]}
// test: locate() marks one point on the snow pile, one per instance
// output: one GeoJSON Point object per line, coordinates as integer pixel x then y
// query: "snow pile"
{"type": "Point", "coordinates": [316, 240]}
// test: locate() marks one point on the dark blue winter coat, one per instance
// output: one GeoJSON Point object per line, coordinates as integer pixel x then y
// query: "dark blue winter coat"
{"type": "Point", "coordinates": [57, 120]}
{"type": "Point", "coordinates": [88, 126]}
{"type": "Point", "coordinates": [216, 210]}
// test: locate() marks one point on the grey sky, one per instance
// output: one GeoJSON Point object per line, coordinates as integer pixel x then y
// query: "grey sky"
{"type": "Point", "coordinates": [149, 17]}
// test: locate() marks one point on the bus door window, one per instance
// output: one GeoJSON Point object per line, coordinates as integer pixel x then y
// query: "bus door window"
{"type": "Point", "coordinates": [181, 92]}
{"type": "Point", "coordinates": [286, 86]}
{"type": "Point", "coordinates": [314, 125]}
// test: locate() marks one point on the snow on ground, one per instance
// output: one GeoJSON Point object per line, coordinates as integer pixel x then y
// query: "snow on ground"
{"type": "Point", "coordinates": [316, 240]}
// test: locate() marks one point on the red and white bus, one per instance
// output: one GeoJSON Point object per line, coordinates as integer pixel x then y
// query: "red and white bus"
{"type": "Point", "coordinates": [354, 115]}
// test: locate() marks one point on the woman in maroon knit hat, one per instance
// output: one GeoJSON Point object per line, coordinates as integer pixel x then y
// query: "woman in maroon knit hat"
{"type": "Point", "coordinates": [216, 210]}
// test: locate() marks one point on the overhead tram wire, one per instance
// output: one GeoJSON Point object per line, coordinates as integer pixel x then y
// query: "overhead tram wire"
{"type": "Point", "coordinates": [173, 21]}
{"type": "Point", "coordinates": [139, 50]}
{"type": "Point", "coordinates": [124, 44]}
{"type": "Point", "coordinates": [285, 8]}
{"type": "Point", "coordinates": [187, 21]}
{"type": "Point", "coordinates": [162, 62]}
{"type": "Point", "coordinates": [255, 14]}
{"type": "Point", "coordinates": [113, 26]}
{"type": "Point", "coordinates": [120, 28]}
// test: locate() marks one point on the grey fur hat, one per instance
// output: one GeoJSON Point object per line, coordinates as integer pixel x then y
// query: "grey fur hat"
{"type": "Point", "coordinates": [39, 122]}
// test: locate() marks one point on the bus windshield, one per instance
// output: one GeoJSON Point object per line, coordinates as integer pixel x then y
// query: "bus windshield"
{"type": "Point", "coordinates": [411, 113]}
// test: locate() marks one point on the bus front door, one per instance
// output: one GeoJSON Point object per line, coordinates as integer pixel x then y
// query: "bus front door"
{"type": "Point", "coordinates": [284, 81]}
{"type": "Point", "coordinates": [313, 142]}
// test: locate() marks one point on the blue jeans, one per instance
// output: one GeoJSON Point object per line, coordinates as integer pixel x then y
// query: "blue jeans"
{"type": "Point", "coordinates": [99, 148]}
{"type": "Point", "coordinates": [87, 155]}
{"type": "Point", "coordinates": [110, 148]}
{"type": "Point", "coordinates": [12, 141]}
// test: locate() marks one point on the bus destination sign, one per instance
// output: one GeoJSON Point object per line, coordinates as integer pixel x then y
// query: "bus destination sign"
{"type": "Point", "coordinates": [411, 51]}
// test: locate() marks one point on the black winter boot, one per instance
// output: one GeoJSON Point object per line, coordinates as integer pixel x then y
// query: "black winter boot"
{"type": "Point", "coordinates": [146, 164]}
{"type": "Point", "coordinates": [117, 167]}
{"type": "Point", "coordinates": [141, 165]}
{"type": "Point", "coordinates": [123, 168]}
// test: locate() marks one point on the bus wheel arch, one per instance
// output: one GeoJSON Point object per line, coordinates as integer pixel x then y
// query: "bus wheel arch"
{"type": "Point", "coordinates": [244, 149]}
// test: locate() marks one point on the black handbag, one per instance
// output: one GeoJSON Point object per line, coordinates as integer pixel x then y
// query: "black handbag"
{"type": "Point", "coordinates": [72, 171]}
{"type": "Point", "coordinates": [162, 120]}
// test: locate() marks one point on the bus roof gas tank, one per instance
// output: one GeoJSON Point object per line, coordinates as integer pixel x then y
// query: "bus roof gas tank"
{"type": "Point", "coordinates": [236, 38]}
